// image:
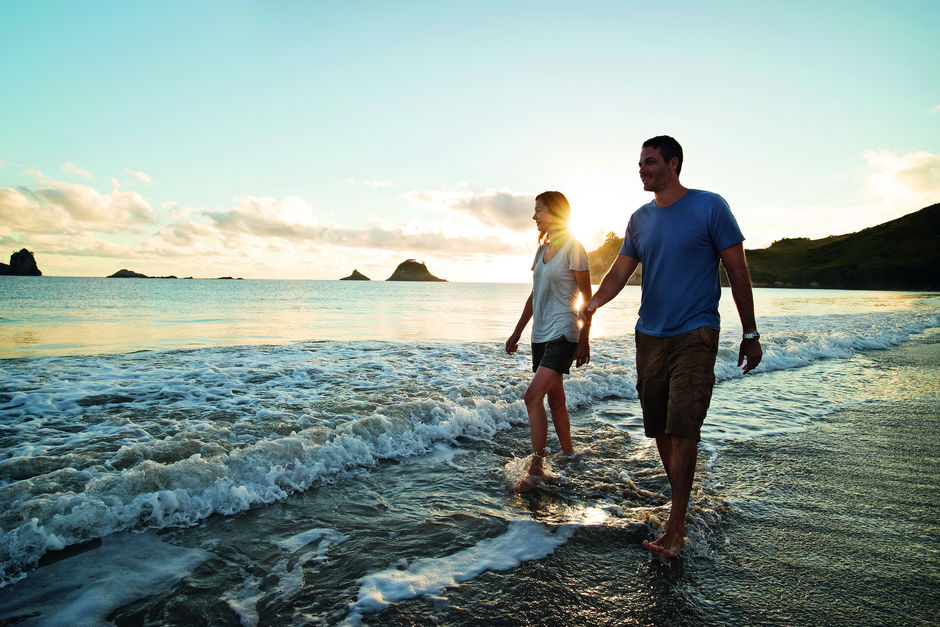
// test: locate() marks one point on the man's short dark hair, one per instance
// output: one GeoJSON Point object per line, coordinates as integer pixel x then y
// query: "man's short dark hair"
{"type": "Point", "coordinates": [667, 147]}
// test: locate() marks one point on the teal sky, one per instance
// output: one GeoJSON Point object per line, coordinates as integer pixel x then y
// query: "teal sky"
{"type": "Point", "coordinates": [305, 139]}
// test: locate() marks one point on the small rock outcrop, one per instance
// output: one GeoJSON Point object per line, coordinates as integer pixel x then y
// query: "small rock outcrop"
{"type": "Point", "coordinates": [356, 276]}
{"type": "Point", "coordinates": [411, 270]}
{"type": "Point", "coordinates": [128, 274]}
{"type": "Point", "coordinates": [22, 263]}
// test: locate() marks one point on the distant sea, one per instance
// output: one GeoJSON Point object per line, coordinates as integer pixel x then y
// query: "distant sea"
{"type": "Point", "coordinates": [182, 452]}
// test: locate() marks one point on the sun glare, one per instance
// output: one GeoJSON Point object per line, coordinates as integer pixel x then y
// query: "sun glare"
{"type": "Point", "coordinates": [597, 206]}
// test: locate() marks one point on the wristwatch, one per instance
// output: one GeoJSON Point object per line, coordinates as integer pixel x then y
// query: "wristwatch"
{"type": "Point", "coordinates": [753, 335]}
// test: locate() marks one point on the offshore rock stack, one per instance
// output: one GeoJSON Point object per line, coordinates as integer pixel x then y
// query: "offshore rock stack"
{"type": "Point", "coordinates": [22, 263]}
{"type": "Point", "coordinates": [411, 270]}
{"type": "Point", "coordinates": [355, 276]}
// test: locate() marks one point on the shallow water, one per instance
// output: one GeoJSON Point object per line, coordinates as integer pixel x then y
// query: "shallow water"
{"type": "Point", "coordinates": [325, 478]}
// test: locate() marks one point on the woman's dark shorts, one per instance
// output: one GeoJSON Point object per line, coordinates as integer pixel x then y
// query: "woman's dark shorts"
{"type": "Point", "coordinates": [557, 355]}
{"type": "Point", "coordinates": [675, 376]}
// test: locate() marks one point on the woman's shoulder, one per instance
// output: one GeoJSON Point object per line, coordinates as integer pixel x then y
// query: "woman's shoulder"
{"type": "Point", "coordinates": [572, 245]}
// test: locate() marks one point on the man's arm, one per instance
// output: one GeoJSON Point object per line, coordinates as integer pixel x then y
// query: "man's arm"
{"type": "Point", "coordinates": [583, 352]}
{"type": "Point", "coordinates": [612, 283]}
{"type": "Point", "coordinates": [736, 266]}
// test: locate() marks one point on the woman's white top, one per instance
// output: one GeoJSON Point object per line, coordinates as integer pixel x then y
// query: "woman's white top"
{"type": "Point", "coordinates": [555, 292]}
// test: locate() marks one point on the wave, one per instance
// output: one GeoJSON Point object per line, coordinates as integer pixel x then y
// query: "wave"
{"type": "Point", "coordinates": [96, 445]}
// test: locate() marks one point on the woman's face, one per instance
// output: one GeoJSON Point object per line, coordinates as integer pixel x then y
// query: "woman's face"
{"type": "Point", "coordinates": [544, 219]}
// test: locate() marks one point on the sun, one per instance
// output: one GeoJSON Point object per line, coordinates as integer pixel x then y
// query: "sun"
{"type": "Point", "coordinates": [595, 212]}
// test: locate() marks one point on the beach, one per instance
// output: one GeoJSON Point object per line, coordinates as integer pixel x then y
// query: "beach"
{"type": "Point", "coordinates": [256, 478]}
{"type": "Point", "coordinates": [836, 524]}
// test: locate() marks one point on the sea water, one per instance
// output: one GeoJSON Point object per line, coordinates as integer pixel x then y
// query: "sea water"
{"type": "Point", "coordinates": [322, 451]}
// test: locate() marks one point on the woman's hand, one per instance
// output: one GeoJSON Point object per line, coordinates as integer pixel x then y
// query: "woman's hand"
{"type": "Point", "coordinates": [583, 354]}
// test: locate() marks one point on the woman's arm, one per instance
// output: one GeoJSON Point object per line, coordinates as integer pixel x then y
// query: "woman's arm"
{"type": "Point", "coordinates": [513, 342]}
{"type": "Point", "coordinates": [583, 354]}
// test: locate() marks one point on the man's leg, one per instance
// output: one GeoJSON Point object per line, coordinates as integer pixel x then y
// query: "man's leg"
{"type": "Point", "coordinates": [679, 455]}
{"type": "Point", "coordinates": [691, 367]}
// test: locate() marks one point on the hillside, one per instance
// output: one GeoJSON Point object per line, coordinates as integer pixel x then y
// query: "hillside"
{"type": "Point", "coordinates": [603, 257]}
{"type": "Point", "coordinates": [898, 255]}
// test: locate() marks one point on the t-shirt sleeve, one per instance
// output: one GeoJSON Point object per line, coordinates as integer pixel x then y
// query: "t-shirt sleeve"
{"type": "Point", "coordinates": [723, 227]}
{"type": "Point", "coordinates": [577, 257]}
{"type": "Point", "coordinates": [628, 248]}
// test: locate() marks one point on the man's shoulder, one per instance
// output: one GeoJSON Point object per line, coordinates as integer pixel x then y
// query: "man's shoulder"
{"type": "Point", "coordinates": [703, 196]}
{"type": "Point", "coordinates": [646, 208]}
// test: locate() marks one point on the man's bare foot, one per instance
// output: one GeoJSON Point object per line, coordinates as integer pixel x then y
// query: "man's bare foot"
{"type": "Point", "coordinates": [526, 484]}
{"type": "Point", "coordinates": [665, 546]}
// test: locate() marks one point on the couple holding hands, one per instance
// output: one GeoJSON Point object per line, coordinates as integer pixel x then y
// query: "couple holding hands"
{"type": "Point", "coordinates": [679, 237]}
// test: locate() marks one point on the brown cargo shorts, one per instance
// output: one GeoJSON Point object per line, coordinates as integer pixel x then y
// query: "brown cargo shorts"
{"type": "Point", "coordinates": [675, 377]}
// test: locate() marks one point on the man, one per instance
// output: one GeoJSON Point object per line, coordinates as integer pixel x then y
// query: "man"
{"type": "Point", "coordinates": [679, 238]}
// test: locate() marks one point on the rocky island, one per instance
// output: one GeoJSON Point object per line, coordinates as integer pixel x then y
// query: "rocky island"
{"type": "Point", "coordinates": [22, 263]}
{"type": "Point", "coordinates": [356, 276]}
{"type": "Point", "coordinates": [411, 270]}
{"type": "Point", "coordinates": [123, 273]}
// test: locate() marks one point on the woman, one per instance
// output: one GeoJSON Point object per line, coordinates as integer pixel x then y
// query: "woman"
{"type": "Point", "coordinates": [560, 273]}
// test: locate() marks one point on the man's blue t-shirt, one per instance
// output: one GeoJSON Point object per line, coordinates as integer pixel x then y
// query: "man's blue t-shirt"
{"type": "Point", "coordinates": [678, 246]}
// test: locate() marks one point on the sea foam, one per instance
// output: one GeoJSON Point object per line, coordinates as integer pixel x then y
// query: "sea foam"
{"type": "Point", "coordinates": [100, 444]}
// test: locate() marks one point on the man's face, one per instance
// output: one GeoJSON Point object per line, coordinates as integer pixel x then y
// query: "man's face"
{"type": "Point", "coordinates": [654, 171]}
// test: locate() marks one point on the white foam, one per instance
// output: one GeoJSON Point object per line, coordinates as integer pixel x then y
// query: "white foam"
{"type": "Point", "coordinates": [95, 445]}
{"type": "Point", "coordinates": [524, 540]}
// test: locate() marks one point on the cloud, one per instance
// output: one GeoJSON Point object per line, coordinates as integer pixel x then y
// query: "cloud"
{"type": "Point", "coordinates": [377, 184]}
{"type": "Point", "coordinates": [57, 207]}
{"type": "Point", "coordinates": [492, 208]}
{"type": "Point", "coordinates": [74, 169]}
{"type": "Point", "coordinates": [141, 176]}
{"type": "Point", "coordinates": [903, 181]}
{"type": "Point", "coordinates": [936, 109]}
{"type": "Point", "coordinates": [293, 219]}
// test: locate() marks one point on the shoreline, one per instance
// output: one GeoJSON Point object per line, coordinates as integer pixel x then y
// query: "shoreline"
{"type": "Point", "coordinates": [825, 548]}
{"type": "Point", "coordinates": [809, 518]}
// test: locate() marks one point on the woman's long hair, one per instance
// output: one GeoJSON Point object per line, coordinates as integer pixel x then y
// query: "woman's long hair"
{"type": "Point", "coordinates": [558, 206]}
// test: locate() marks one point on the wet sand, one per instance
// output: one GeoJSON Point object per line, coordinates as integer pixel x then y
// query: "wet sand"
{"type": "Point", "coordinates": [836, 524]}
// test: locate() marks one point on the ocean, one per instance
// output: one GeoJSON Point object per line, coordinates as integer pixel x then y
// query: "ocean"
{"type": "Point", "coordinates": [225, 452]}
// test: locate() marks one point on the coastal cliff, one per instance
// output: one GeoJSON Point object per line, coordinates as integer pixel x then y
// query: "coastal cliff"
{"type": "Point", "coordinates": [411, 270]}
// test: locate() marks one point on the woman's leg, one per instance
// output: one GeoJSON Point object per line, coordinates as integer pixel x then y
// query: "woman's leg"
{"type": "Point", "coordinates": [543, 382]}
{"type": "Point", "coordinates": [557, 405]}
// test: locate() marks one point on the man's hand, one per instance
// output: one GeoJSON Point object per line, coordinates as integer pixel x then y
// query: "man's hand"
{"type": "Point", "coordinates": [512, 344]}
{"type": "Point", "coordinates": [751, 352]}
{"type": "Point", "coordinates": [587, 311]}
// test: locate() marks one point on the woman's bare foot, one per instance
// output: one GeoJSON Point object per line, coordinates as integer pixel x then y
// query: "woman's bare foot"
{"type": "Point", "coordinates": [535, 476]}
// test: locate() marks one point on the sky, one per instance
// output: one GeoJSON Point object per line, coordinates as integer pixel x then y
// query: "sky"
{"type": "Point", "coordinates": [302, 140]}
